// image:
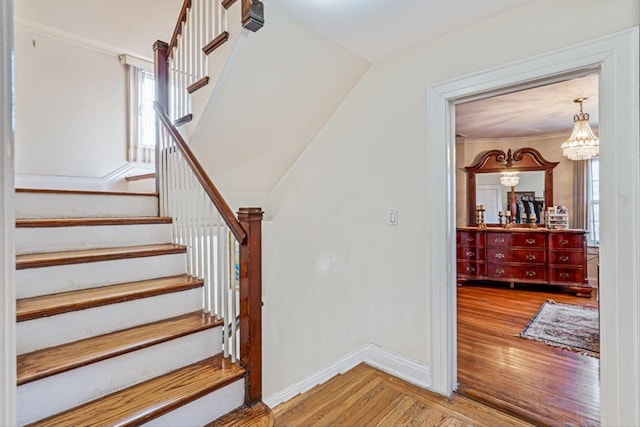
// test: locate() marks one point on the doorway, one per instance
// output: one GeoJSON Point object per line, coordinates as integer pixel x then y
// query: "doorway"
{"type": "Point", "coordinates": [616, 59]}
{"type": "Point", "coordinates": [543, 384]}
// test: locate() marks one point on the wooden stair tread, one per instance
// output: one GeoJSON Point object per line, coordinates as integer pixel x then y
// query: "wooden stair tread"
{"type": "Point", "coordinates": [49, 305]}
{"type": "Point", "coordinates": [54, 360]}
{"type": "Point", "coordinates": [150, 399]}
{"type": "Point", "coordinates": [96, 192]}
{"type": "Point", "coordinates": [139, 177]}
{"type": "Point", "coordinates": [258, 415]}
{"type": "Point", "coordinates": [92, 255]}
{"type": "Point", "coordinates": [73, 222]}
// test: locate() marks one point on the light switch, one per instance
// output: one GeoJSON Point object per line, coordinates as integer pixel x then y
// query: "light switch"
{"type": "Point", "coordinates": [393, 217]}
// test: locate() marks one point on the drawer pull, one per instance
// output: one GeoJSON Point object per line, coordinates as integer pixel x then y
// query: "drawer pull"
{"type": "Point", "coordinates": [499, 240]}
{"type": "Point", "coordinates": [530, 241]}
{"type": "Point", "coordinates": [564, 275]}
{"type": "Point", "coordinates": [471, 269]}
{"type": "Point", "coordinates": [470, 254]}
{"type": "Point", "coordinates": [499, 271]}
{"type": "Point", "coordinates": [469, 239]}
{"type": "Point", "coordinates": [564, 258]}
{"type": "Point", "coordinates": [530, 273]}
{"type": "Point", "coordinates": [500, 255]}
{"type": "Point", "coordinates": [530, 257]}
{"type": "Point", "coordinates": [564, 242]}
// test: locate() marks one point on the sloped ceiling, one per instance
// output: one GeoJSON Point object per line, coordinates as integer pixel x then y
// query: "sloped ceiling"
{"type": "Point", "coordinates": [284, 84]}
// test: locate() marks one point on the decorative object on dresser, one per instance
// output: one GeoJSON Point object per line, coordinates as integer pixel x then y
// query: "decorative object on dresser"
{"type": "Point", "coordinates": [568, 326]}
{"type": "Point", "coordinates": [525, 160]}
{"type": "Point", "coordinates": [519, 255]}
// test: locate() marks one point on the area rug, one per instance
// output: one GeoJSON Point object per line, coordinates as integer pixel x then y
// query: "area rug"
{"type": "Point", "coordinates": [571, 327]}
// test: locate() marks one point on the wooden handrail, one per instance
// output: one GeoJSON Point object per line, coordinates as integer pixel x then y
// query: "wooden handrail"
{"type": "Point", "coordinates": [208, 186]}
{"type": "Point", "coordinates": [182, 17]}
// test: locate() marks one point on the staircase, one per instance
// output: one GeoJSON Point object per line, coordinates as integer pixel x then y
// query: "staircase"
{"type": "Point", "coordinates": [110, 327]}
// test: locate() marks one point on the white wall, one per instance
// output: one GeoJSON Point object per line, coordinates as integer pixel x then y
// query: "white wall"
{"type": "Point", "coordinates": [336, 276]}
{"type": "Point", "coordinates": [70, 86]}
{"type": "Point", "coordinates": [70, 108]}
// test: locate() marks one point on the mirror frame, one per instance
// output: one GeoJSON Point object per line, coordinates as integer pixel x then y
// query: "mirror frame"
{"type": "Point", "coordinates": [524, 159]}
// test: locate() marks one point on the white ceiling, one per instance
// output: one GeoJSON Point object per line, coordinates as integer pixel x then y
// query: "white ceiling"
{"type": "Point", "coordinates": [375, 29]}
{"type": "Point", "coordinates": [542, 110]}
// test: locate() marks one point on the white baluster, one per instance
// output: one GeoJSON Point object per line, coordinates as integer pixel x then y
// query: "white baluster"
{"type": "Point", "coordinates": [219, 246]}
{"type": "Point", "coordinates": [232, 282]}
{"type": "Point", "coordinates": [225, 290]}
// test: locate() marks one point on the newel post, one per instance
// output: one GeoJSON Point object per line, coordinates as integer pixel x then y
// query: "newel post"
{"type": "Point", "coordinates": [161, 76]}
{"type": "Point", "coordinates": [251, 302]}
{"type": "Point", "coordinates": [252, 14]}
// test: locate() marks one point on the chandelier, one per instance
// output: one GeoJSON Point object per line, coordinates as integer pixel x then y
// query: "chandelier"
{"type": "Point", "coordinates": [582, 144]}
{"type": "Point", "coordinates": [509, 178]}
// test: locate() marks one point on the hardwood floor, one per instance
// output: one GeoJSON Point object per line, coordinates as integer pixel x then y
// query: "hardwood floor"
{"type": "Point", "coordinates": [365, 396]}
{"type": "Point", "coordinates": [546, 385]}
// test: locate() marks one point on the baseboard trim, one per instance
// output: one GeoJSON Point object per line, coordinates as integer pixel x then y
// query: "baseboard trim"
{"type": "Point", "coordinates": [81, 182]}
{"type": "Point", "coordinates": [387, 361]}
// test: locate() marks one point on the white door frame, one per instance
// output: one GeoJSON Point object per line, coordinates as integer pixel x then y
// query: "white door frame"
{"type": "Point", "coordinates": [615, 57]}
{"type": "Point", "coordinates": [7, 221]}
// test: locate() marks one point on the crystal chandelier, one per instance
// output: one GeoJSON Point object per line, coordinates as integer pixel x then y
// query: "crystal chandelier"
{"type": "Point", "coordinates": [582, 144]}
{"type": "Point", "coordinates": [509, 178]}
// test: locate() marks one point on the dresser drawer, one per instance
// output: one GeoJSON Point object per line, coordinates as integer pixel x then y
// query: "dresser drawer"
{"type": "Point", "coordinates": [516, 272]}
{"type": "Point", "coordinates": [529, 256]}
{"type": "Point", "coordinates": [527, 240]}
{"type": "Point", "coordinates": [567, 275]}
{"type": "Point", "coordinates": [563, 241]}
{"type": "Point", "coordinates": [469, 253]}
{"type": "Point", "coordinates": [471, 269]}
{"type": "Point", "coordinates": [566, 258]}
{"type": "Point", "coordinates": [470, 238]}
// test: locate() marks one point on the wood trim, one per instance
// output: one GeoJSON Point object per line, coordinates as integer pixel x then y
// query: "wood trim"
{"type": "Point", "coordinates": [139, 177]}
{"type": "Point", "coordinates": [182, 17]}
{"type": "Point", "coordinates": [146, 401]}
{"type": "Point", "coordinates": [55, 360]}
{"type": "Point", "coordinates": [204, 180]}
{"type": "Point", "coordinates": [94, 255]}
{"type": "Point", "coordinates": [83, 192]}
{"type": "Point", "coordinates": [218, 41]}
{"type": "Point", "coordinates": [198, 84]}
{"type": "Point", "coordinates": [251, 302]}
{"type": "Point", "coordinates": [51, 305]}
{"type": "Point", "coordinates": [183, 120]}
{"type": "Point", "coordinates": [228, 3]}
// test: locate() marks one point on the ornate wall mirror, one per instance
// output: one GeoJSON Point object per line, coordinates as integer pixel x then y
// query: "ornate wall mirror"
{"type": "Point", "coordinates": [535, 176]}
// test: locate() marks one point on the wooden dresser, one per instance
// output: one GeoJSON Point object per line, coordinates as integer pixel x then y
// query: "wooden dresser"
{"type": "Point", "coordinates": [523, 255]}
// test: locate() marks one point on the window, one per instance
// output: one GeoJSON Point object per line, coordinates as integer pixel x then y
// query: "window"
{"type": "Point", "coordinates": [593, 201]}
{"type": "Point", "coordinates": [142, 117]}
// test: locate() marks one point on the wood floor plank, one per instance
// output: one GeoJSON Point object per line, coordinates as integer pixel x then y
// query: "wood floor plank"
{"type": "Point", "coordinates": [93, 255]}
{"type": "Point", "coordinates": [77, 222]}
{"type": "Point", "coordinates": [544, 384]}
{"type": "Point", "coordinates": [148, 400]}
{"type": "Point", "coordinates": [54, 360]}
{"type": "Point", "coordinates": [365, 396]}
{"type": "Point", "coordinates": [49, 305]}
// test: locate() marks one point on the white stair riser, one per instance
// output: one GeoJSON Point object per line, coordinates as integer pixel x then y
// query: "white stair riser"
{"type": "Point", "coordinates": [32, 282]}
{"type": "Point", "coordinates": [53, 239]}
{"type": "Point", "coordinates": [54, 330]}
{"type": "Point", "coordinates": [51, 395]}
{"type": "Point", "coordinates": [54, 205]}
{"type": "Point", "coordinates": [204, 410]}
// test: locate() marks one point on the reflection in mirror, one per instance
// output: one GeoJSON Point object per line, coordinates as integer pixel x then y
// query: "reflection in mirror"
{"type": "Point", "coordinates": [496, 197]}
